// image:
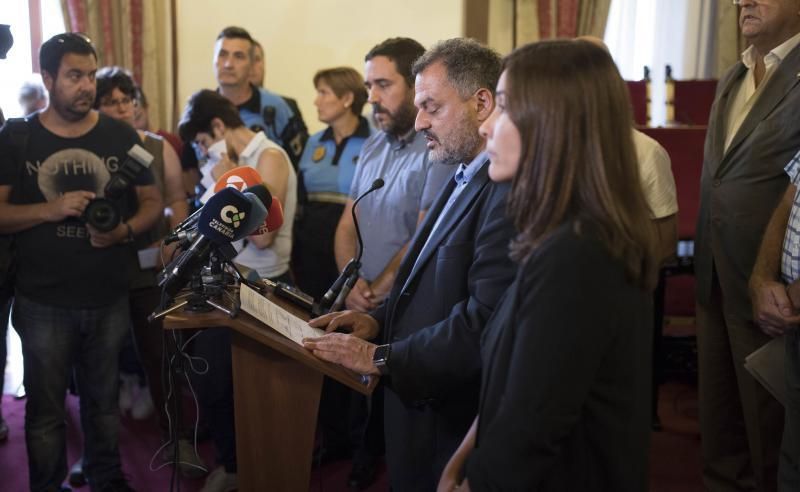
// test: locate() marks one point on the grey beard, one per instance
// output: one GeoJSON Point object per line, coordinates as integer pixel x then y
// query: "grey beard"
{"type": "Point", "coordinates": [463, 151]}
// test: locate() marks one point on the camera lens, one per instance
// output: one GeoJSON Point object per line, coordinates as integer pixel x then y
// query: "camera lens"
{"type": "Point", "coordinates": [101, 214]}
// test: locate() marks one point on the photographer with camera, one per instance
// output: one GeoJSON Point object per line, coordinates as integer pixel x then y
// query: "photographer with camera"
{"type": "Point", "coordinates": [117, 98]}
{"type": "Point", "coordinates": [71, 288]}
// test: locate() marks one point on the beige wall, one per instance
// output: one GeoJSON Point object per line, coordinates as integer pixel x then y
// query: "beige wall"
{"type": "Point", "coordinates": [302, 36]}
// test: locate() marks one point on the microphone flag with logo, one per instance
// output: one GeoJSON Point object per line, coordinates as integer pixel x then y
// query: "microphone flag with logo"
{"type": "Point", "coordinates": [238, 178]}
{"type": "Point", "coordinates": [223, 219]}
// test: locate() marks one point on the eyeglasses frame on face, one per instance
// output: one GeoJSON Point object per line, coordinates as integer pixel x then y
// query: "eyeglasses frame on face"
{"type": "Point", "coordinates": [119, 103]}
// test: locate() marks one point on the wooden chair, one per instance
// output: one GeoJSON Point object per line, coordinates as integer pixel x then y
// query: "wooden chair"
{"type": "Point", "coordinates": [693, 100]}
{"type": "Point", "coordinates": [674, 296]}
{"type": "Point", "coordinates": [638, 93]}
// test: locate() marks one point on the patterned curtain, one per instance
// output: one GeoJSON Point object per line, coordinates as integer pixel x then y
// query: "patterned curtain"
{"type": "Point", "coordinates": [570, 18]}
{"type": "Point", "coordinates": [137, 35]}
{"type": "Point", "coordinates": [729, 41]}
{"type": "Point", "coordinates": [513, 23]}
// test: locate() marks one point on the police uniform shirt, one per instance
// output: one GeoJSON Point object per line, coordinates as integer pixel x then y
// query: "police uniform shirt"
{"type": "Point", "coordinates": [252, 113]}
{"type": "Point", "coordinates": [329, 168]}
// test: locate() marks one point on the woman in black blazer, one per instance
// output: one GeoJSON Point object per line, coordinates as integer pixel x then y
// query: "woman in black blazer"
{"type": "Point", "coordinates": [565, 394]}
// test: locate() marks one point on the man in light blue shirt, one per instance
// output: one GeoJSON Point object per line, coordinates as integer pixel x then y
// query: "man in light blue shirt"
{"type": "Point", "coordinates": [398, 155]}
{"type": "Point", "coordinates": [389, 216]}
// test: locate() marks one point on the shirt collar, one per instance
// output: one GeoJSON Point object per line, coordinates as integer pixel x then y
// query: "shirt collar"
{"type": "Point", "coordinates": [465, 172]}
{"type": "Point", "coordinates": [401, 141]}
{"type": "Point", "coordinates": [362, 130]}
{"type": "Point", "coordinates": [775, 55]}
{"type": "Point", "coordinates": [254, 103]}
{"type": "Point", "coordinates": [253, 145]}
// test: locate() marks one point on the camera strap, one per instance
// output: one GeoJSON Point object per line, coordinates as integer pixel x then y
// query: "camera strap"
{"type": "Point", "coordinates": [19, 135]}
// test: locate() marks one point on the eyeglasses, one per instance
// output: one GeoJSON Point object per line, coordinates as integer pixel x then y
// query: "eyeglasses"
{"type": "Point", "coordinates": [120, 103]}
{"type": "Point", "coordinates": [754, 2]}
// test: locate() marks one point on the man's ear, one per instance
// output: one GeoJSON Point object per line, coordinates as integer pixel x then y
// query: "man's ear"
{"type": "Point", "coordinates": [48, 81]}
{"type": "Point", "coordinates": [484, 102]}
{"type": "Point", "coordinates": [217, 127]}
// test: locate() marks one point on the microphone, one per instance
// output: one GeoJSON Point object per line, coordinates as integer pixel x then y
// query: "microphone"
{"type": "Point", "coordinates": [237, 178]}
{"type": "Point", "coordinates": [268, 114]}
{"type": "Point", "coordinates": [223, 219]}
{"type": "Point", "coordinates": [376, 185]}
{"type": "Point", "coordinates": [340, 289]}
{"type": "Point", "coordinates": [275, 216]}
{"type": "Point", "coordinates": [258, 214]}
{"type": "Point", "coordinates": [274, 208]}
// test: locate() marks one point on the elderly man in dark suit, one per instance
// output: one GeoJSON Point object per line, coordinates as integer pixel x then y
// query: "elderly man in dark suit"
{"type": "Point", "coordinates": [456, 269]}
{"type": "Point", "coordinates": [752, 135]}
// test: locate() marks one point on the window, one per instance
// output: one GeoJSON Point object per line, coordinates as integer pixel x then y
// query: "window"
{"type": "Point", "coordinates": [14, 70]}
{"type": "Point", "coordinates": [18, 67]}
{"type": "Point", "coordinates": [656, 33]}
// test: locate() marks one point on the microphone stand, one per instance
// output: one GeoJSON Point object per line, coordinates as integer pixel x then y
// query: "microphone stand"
{"type": "Point", "coordinates": [205, 296]}
{"type": "Point", "coordinates": [334, 298]}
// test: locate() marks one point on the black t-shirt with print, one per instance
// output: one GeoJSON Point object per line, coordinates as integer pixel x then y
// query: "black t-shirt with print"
{"type": "Point", "coordinates": [57, 264]}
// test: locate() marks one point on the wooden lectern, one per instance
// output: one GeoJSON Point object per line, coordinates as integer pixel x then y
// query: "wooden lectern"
{"type": "Point", "coordinates": [276, 390]}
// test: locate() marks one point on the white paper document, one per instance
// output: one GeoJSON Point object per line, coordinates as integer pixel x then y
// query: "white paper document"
{"type": "Point", "coordinates": [148, 258]}
{"type": "Point", "coordinates": [282, 321]}
{"type": "Point", "coordinates": [766, 365]}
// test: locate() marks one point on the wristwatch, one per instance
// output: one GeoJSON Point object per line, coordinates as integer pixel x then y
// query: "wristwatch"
{"type": "Point", "coordinates": [381, 357]}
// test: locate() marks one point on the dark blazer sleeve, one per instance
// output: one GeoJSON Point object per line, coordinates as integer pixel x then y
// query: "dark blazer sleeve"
{"type": "Point", "coordinates": [537, 392]}
{"type": "Point", "coordinates": [444, 356]}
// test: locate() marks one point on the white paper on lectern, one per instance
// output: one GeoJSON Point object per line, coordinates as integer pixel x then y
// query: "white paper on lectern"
{"type": "Point", "coordinates": [282, 321]}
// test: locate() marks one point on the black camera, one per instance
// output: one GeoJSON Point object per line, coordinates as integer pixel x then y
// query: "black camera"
{"type": "Point", "coordinates": [6, 40]}
{"type": "Point", "coordinates": [103, 213]}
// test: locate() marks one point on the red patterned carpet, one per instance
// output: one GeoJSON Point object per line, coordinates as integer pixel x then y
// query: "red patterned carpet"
{"type": "Point", "coordinates": [674, 456]}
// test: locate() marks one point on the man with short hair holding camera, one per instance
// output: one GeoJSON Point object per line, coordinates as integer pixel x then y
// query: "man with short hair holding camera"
{"type": "Point", "coordinates": [71, 304]}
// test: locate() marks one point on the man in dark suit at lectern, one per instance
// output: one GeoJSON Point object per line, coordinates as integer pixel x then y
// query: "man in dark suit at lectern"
{"type": "Point", "coordinates": [456, 269]}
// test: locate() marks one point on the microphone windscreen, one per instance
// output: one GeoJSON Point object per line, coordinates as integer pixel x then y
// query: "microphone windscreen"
{"type": "Point", "coordinates": [224, 215]}
{"type": "Point", "coordinates": [238, 178]}
{"type": "Point", "coordinates": [262, 192]}
{"type": "Point", "coordinates": [255, 221]}
{"type": "Point", "coordinates": [274, 215]}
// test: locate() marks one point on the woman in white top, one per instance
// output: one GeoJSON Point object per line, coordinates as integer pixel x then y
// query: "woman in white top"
{"type": "Point", "coordinates": [212, 122]}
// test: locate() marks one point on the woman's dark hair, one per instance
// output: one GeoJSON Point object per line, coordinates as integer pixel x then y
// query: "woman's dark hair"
{"type": "Point", "coordinates": [204, 106]}
{"type": "Point", "coordinates": [342, 80]}
{"type": "Point", "coordinates": [110, 78]}
{"type": "Point", "coordinates": [578, 161]}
